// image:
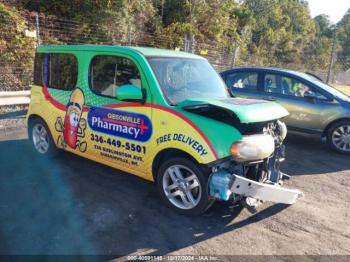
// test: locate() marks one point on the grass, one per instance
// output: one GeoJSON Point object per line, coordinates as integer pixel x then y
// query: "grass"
{"type": "Point", "coordinates": [342, 88]}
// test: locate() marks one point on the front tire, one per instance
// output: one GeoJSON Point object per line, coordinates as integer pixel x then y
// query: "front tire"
{"type": "Point", "coordinates": [338, 137]}
{"type": "Point", "coordinates": [41, 139]}
{"type": "Point", "coordinates": [183, 186]}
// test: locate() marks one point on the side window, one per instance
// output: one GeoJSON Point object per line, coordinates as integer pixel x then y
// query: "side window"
{"type": "Point", "coordinates": [56, 70]}
{"type": "Point", "coordinates": [272, 84]}
{"type": "Point", "coordinates": [38, 69]}
{"type": "Point", "coordinates": [248, 80]}
{"type": "Point", "coordinates": [278, 84]}
{"type": "Point", "coordinates": [63, 71]}
{"type": "Point", "coordinates": [107, 73]}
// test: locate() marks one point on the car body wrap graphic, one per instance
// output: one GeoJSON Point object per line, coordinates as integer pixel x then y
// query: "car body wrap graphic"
{"type": "Point", "coordinates": [126, 135]}
{"type": "Point", "coordinates": [128, 125]}
{"type": "Point", "coordinates": [72, 118]}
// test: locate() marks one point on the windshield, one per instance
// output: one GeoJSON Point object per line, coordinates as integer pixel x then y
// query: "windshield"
{"type": "Point", "coordinates": [182, 78]}
{"type": "Point", "coordinates": [326, 87]}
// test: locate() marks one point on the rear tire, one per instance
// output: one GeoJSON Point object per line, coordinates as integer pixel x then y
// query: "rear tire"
{"type": "Point", "coordinates": [183, 186]}
{"type": "Point", "coordinates": [41, 139]}
{"type": "Point", "coordinates": [338, 137]}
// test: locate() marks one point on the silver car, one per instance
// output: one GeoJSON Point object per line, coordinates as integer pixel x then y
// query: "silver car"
{"type": "Point", "coordinates": [314, 107]}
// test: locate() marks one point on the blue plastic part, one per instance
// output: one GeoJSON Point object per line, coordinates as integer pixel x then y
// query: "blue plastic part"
{"type": "Point", "coordinates": [219, 185]}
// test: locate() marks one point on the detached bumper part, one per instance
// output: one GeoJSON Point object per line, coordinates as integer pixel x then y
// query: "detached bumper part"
{"type": "Point", "coordinates": [222, 184]}
{"type": "Point", "coordinates": [265, 192]}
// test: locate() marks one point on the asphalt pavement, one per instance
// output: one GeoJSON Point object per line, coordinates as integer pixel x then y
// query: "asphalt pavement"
{"type": "Point", "coordinates": [70, 205]}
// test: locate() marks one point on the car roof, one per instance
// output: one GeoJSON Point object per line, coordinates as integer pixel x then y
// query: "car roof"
{"type": "Point", "coordinates": [266, 69]}
{"type": "Point", "coordinates": [145, 51]}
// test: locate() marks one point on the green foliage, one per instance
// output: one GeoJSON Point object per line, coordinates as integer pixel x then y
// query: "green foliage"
{"type": "Point", "coordinates": [215, 20]}
{"type": "Point", "coordinates": [343, 35]}
{"type": "Point", "coordinates": [16, 50]}
{"type": "Point", "coordinates": [260, 32]}
{"type": "Point", "coordinates": [176, 32]}
{"type": "Point", "coordinates": [281, 30]}
{"type": "Point", "coordinates": [116, 19]}
{"type": "Point", "coordinates": [14, 45]}
{"type": "Point", "coordinates": [318, 50]}
{"type": "Point", "coordinates": [324, 26]}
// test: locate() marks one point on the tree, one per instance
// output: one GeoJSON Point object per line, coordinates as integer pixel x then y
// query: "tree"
{"type": "Point", "coordinates": [114, 20]}
{"type": "Point", "coordinates": [343, 36]}
{"type": "Point", "coordinates": [280, 31]}
{"type": "Point", "coordinates": [16, 50]}
{"type": "Point", "coordinates": [324, 26]}
{"type": "Point", "coordinates": [318, 51]}
{"type": "Point", "coordinates": [260, 32]}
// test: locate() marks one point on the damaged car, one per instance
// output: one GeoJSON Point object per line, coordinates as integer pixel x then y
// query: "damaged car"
{"type": "Point", "coordinates": [163, 115]}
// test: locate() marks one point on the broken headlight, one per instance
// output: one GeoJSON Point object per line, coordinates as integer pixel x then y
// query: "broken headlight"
{"type": "Point", "coordinates": [253, 147]}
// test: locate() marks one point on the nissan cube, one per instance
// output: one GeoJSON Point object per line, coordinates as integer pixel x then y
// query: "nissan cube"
{"type": "Point", "coordinates": [165, 116]}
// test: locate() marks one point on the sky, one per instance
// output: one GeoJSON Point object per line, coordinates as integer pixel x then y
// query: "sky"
{"type": "Point", "coordinates": [335, 9]}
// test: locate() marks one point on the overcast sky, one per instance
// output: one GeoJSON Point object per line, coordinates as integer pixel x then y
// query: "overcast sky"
{"type": "Point", "coordinates": [335, 9]}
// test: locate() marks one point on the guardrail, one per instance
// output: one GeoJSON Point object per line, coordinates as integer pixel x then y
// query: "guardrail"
{"type": "Point", "coordinates": [8, 98]}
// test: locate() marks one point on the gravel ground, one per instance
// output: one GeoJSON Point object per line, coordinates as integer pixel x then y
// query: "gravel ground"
{"type": "Point", "coordinates": [70, 205]}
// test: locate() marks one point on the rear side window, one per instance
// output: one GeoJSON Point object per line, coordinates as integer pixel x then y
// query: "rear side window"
{"type": "Point", "coordinates": [273, 84]}
{"type": "Point", "coordinates": [246, 80]}
{"type": "Point", "coordinates": [58, 71]}
{"type": "Point", "coordinates": [38, 69]}
{"type": "Point", "coordinates": [108, 73]}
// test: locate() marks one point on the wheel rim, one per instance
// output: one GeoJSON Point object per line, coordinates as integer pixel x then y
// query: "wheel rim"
{"type": "Point", "coordinates": [40, 138]}
{"type": "Point", "coordinates": [182, 187]}
{"type": "Point", "coordinates": [341, 138]}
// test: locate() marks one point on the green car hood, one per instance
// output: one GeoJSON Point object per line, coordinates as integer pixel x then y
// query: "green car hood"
{"type": "Point", "coordinates": [246, 110]}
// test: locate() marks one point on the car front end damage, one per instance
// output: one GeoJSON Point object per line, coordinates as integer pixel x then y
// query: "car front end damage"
{"type": "Point", "coordinates": [250, 171]}
{"type": "Point", "coordinates": [252, 175]}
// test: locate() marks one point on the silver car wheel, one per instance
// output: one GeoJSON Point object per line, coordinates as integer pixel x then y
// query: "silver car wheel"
{"type": "Point", "coordinates": [40, 138]}
{"type": "Point", "coordinates": [341, 138]}
{"type": "Point", "coordinates": [182, 187]}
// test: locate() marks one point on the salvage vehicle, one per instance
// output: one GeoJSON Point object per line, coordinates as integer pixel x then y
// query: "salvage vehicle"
{"type": "Point", "coordinates": [165, 116]}
{"type": "Point", "coordinates": [314, 107]}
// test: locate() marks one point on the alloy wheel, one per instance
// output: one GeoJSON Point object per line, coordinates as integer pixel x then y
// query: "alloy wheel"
{"type": "Point", "coordinates": [341, 138]}
{"type": "Point", "coordinates": [40, 138]}
{"type": "Point", "coordinates": [182, 187]}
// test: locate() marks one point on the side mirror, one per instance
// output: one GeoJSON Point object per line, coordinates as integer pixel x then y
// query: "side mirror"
{"type": "Point", "coordinates": [311, 96]}
{"type": "Point", "coordinates": [129, 93]}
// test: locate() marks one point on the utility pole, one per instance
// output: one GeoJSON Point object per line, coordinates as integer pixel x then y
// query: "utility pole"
{"type": "Point", "coordinates": [235, 56]}
{"type": "Point", "coordinates": [331, 59]}
{"type": "Point", "coordinates": [192, 4]}
{"type": "Point", "coordinates": [38, 42]}
{"type": "Point", "coordinates": [129, 24]}
{"type": "Point", "coordinates": [162, 10]}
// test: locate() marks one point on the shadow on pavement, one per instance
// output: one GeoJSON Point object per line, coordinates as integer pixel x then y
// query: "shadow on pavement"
{"type": "Point", "coordinates": [308, 155]}
{"type": "Point", "coordinates": [70, 205]}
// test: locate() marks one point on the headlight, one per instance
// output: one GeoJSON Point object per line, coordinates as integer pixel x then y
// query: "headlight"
{"type": "Point", "coordinates": [253, 147]}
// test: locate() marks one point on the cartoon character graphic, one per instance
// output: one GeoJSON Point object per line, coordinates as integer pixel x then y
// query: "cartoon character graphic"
{"type": "Point", "coordinates": [73, 126]}
{"type": "Point", "coordinates": [72, 118]}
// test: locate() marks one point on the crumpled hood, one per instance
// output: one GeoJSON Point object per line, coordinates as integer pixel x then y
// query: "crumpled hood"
{"type": "Point", "coordinates": [246, 110]}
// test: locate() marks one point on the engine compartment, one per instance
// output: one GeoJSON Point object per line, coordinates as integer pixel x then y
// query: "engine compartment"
{"type": "Point", "coordinates": [228, 117]}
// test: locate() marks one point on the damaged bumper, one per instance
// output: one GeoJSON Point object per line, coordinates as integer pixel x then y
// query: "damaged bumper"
{"type": "Point", "coordinates": [265, 192]}
{"type": "Point", "coordinates": [258, 177]}
{"type": "Point", "coordinates": [224, 185]}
